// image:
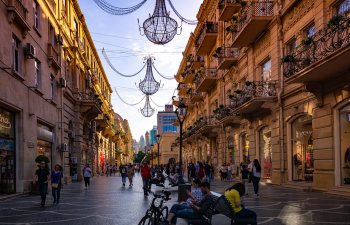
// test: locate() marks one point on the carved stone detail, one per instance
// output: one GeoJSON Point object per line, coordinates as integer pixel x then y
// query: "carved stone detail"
{"type": "Point", "coordinates": [297, 13]}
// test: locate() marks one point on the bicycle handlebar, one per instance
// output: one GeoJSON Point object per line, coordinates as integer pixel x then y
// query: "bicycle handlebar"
{"type": "Point", "coordinates": [165, 195]}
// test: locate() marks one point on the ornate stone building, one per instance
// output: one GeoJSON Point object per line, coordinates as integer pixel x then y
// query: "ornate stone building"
{"type": "Point", "coordinates": [269, 80]}
{"type": "Point", "coordinates": [55, 96]}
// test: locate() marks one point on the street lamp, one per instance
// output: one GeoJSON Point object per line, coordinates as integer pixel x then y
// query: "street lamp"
{"type": "Point", "coordinates": [151, 157]}
{"type": "Point", "coordinates": [158, 142]}
{"type": "Point", "coordinates": [181, 113]}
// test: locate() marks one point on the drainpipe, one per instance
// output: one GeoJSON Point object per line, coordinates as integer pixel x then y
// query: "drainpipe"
{"type": "Point", "coordinates": [280, 93]}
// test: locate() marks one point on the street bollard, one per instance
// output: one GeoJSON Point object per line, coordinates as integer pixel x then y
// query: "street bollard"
{"type": "Point", "coordinates": [182, 192]}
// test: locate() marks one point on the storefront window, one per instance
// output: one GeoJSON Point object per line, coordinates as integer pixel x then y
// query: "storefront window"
{"type": "Point", "coordinates": [7, 152]}
{"type": "Point", "coordinates": [345, 145]}
{"type": "Point", "coordinates": [265, 151]}
{"type": "Point", "coordinates": [44, 142]}
{"type": "Point", "coordinates": [245, 148]}
{"type": "Point", "coordinates": [302, 158]}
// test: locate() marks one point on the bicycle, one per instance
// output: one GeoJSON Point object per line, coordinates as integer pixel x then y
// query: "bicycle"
{"type": "Point", "coordinates": [157, 213]}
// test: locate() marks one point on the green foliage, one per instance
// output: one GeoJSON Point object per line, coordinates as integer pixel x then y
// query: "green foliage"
{"type": "Point", "coordinates": [139, 156]}
{"type": "Point", "coordinates": [41, 158]}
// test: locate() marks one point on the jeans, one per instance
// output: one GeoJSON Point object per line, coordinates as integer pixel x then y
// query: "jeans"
{"type": "Point", "coordinates": [146, 183]}
{"type": "Point", "coordinates": [182, 211]}
{"type": "Point", "coordinates": [87, 181]}
{"type": "Point", "coordinates": [43, 192]}
{"type": "Point", "coordinates": [246, 213]}
{"type": "Point", "coordinates": [124, 179]}
{"type": "Point", "coordinates": [207, 175]}
{"type": "Point", "coordinates": [56, 193]}
{"type": "Point", "coordinates": [256, 181]}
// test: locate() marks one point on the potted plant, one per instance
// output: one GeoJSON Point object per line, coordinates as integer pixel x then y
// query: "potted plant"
{"type": "Point", "coordinates": [335, 20]}
{"type": "Point", "coordinates": [238, 91]}
{"type": "Point", "coordinates": [307, 41]}
{"type": "Point", "coordinates": [248, 83]}
{"type": "Point", "coordinates": [288, 58]}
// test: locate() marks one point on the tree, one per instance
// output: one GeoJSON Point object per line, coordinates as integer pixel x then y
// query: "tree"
{"type": "Point", "coordinates": [140, 155]}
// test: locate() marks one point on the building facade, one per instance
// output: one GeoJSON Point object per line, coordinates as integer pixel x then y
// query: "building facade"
{"type": "Point", "coordinates": [55, 99]}
{"type": "Point", "coordinates": [268, 80]}
{"type": "Point", "coordinates": [153, 134]}
{"type": "Point", "coordinates": [165, 121]}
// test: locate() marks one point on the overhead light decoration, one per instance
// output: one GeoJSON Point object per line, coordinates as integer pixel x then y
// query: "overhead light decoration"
{"type": "Point", "coordinates": [159, 28]}
{"type": "Point", "coordinates": [147, 110]}
{"type": "Point", "coordinates": [149, 85]}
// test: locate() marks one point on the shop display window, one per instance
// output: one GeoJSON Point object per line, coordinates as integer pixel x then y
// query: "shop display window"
{"type": "Point", "coordinates": [345, 145]}
{"type": "Point", "coordinates": [265, 151]}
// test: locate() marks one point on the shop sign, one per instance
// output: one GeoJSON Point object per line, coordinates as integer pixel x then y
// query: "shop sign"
{"type": "Point", "coordinates": [6, 123]}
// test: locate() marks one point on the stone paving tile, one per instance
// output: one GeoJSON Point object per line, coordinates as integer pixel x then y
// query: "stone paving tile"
{"type": "Point", "coordinates": [108, 202]}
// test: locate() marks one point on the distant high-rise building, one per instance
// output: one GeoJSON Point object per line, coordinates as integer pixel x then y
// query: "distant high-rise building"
{"type": "Point", "coordinates": [136, 146]}
{"type": "Point", "coordinates": [142, 143]}
{"type": "Point", "coordinates": [148, 143]}
{"type": "Point", "coordinates": [165, 121]}
{"type": "Point", "coordinates": [153, 134]}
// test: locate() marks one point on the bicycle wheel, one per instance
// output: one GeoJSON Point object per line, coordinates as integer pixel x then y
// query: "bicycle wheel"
{"type": "Point", "coordinates": [164, 213]}
{"type": "Point", "coordinates": [146, 220]}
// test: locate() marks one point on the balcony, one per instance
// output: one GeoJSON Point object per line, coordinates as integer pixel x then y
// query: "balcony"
{"type": "Point", "coordinates": [89, 103]}
{"type": "Point", "coordinates": [206, 79]}
{"type": "Point", "coordinates": [207, 38]}
{"type": "Point", "coordinates": [252, 22]}
{"type": "Point", "coordinates": [189, 76]}
{"type": "Point", "coordinates": [254, 97]}
{"type": "Point", "coordinates": [196, 96]}
{"type": "Point", "coordinates": [208, 125]}
{"type": "Point", "coordinates": [101, 122]}
{"type": "Point", "coordinates": [227, 57]}
{"type": "Point", "coordinates": [182, 89]}
{"type": "Point", "coordinates": [227, 116]}
{"type": "Point", "coordinates": [189, 103]}
{"type": "Point", "coordinates": [18, 13]}
{"type": "Point", "coordinates": [227, 8]}
{"type": "Point", "coordinates": [323, 57]}
{"type": "Point", "coordinates": [54, 57]}
{"type": "Point", "coordinates": [197, 62]}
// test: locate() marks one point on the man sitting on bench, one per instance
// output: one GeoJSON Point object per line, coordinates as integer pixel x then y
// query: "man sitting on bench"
{"type": "Point", "coordinates": [233, 195]}
{"type": "Point", "coordinates": [195, 211]}
{"type": "Point", "coordinates": [158, 180]}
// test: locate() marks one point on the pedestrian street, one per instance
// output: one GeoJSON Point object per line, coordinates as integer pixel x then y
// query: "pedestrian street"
{"type": "Point", "coordinates": [108, 202]}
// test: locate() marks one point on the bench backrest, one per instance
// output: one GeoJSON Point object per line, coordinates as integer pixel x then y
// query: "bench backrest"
{"type": "Point", "coordinates": [211, 208]}
{"type": "Point", "coordinates": [224, 207]}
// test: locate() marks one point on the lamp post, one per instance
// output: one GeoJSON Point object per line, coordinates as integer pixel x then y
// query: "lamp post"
{"type": "Point", "coordinates": [181, 113]}
{"type": "Point", "coordinates": [151, 150]}
{"type": "Point", "coordinates": [158, 143]}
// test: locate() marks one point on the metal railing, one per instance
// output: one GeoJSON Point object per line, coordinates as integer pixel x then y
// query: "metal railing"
{"type": "Point", "coordinates": [254, 89]}
{"type": "Point", "coordinates": [227, 53]}
{"type": "Point", "coordinates": [334, 37]}
{"type": "Point", "coordinates": [206, 73]}
{"type": "Point", "coordinates": [224, 112]}
{"type": "Point", "coordinates": [208, 27]}
{"type": "Point", "coordinates": [254, 9]}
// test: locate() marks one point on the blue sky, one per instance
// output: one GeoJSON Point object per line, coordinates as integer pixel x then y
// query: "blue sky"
{"type": "Point", "coordinates": [120, 37]}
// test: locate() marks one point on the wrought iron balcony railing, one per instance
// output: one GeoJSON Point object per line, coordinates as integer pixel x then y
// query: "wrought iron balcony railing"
{"type": "Point", "coordinates": [224, 112]}
{"type": "Point", "coordinates": [227, 56]}
{"type": "Point", "coordinates": [253, 90]}
{"type": "Point", "coordinates": [325, 43]}
{"type": "Point", "coordinates": [18, 13]}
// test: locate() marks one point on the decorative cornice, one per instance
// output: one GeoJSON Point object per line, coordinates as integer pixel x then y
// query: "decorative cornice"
{"type": "Point", "coordinates": [297, 13]}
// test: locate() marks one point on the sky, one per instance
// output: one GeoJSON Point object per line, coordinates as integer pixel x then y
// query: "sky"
{"type": "Point", "coordinates": [126, 49]}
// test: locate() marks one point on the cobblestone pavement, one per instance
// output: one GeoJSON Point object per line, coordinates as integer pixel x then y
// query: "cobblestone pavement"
{"type": "Point", "coordinates": [108, 202]}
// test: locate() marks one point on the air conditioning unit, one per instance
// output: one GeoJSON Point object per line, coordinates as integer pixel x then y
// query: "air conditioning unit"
{"type": "Point", "coordinates": [62, 82]}
{"type": "Point", "coordinates": [64, 147]}
{"type": "Point", "coordinates": [29, 51]}
{"type": "Point", "coordinates": [60, 39]}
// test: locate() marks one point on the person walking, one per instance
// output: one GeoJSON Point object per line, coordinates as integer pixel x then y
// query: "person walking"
{"type": "Point", "coordinates": [229, 172]}
{"type": "Point", "coordinates": [256, 174]}
{"type": "Point", "coordinates": [207, 171]}
{"type": "Point", "coordinates": [42, 176]}
{"type": "Point", "coordinates": [56, 183]}
{"type": "Point", "coordinates": [87, 175]}
{"type": "Point", "coordinates": [146, 176]}
{"type": "Point", "coordinates": [131, 173]}
{"type": "Point", "coordinates": [244, 176]}
{"type": "Point", "coordinates": [114, 168]}
{"type": "Point", "coordinates": [123, 173]}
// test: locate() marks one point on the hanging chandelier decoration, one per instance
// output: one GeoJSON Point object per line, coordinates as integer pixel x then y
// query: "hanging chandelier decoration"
{"type": "Point", "coordinates": [147, 110]}
{"type": "Point", "coordinates": [159, 28]}
{"type": "Point", "coordinates": [149, 85]}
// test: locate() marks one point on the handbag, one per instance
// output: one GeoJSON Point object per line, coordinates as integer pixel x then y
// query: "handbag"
{"type": "Point", "coordinates": [54, 185]}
